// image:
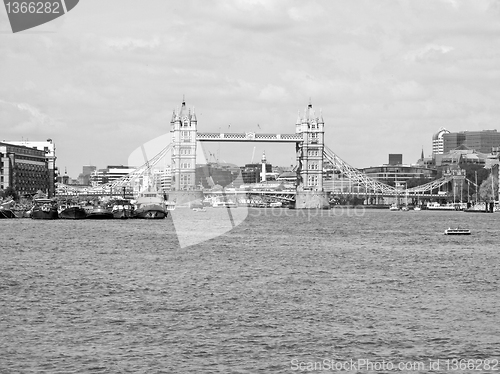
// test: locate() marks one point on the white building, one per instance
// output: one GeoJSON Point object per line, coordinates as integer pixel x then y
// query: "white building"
{"type": "Point", "coordinates": [438, 142]}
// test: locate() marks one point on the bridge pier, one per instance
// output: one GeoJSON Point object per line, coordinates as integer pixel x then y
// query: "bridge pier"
{"type": "Point", "coordinates": [311, 200]}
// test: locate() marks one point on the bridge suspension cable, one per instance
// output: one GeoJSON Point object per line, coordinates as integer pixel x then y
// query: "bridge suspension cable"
{"type": "Point", "coordinates": [429, 187]}
{"type": "Point", "coordinates": [354, 175]}
{"type": "Point", "coordinates": [144, 169]}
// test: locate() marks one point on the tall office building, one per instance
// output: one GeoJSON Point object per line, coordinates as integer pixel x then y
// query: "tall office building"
{"type": "Point", "coordinates": [483, 141]}
{"type": "Point", "coordinates": [438, 142]}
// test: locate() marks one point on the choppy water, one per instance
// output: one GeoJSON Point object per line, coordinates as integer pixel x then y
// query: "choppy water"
{"type": "Point", "coordinates": [272, 296]}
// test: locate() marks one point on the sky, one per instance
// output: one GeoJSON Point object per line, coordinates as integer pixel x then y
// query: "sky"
{"type": "Point", "coordinates": [105, 78]}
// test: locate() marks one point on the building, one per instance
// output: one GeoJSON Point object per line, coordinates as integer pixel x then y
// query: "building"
{"type": "Point", "coordinates": [452, 141]}
{"type": "Point", "coordinates": [462, 155]}
{"type": "Point", "coordinates": [395, 159]}
{"type": "Point", "coordinates": [84, 177]}
{"type": "Point", "coordinates": [483, 141]}
{"type": "Point", "coordinates": [49, 149]}
{"type": "Point", "coordinates": [438, 142]}
{"type": "Point", "coordinates": [26, 169]}
{"type": "Point", "coordinates": [252, 173]}
{"type": "Point", "coordinates": [212, 174]}
{"type": "Point", "coordinates": [163, 179]}
{"type": "Point", "coordinates": [110, 174]}
{"type": "Point", "coordinates": [391, 174]}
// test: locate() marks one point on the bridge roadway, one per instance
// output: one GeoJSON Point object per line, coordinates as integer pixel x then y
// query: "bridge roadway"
{"type": "Point", "coordinates": [294, 192]}
{"type": "Point", "coordinates": [285, 194]}
{"type": "Point", "coordinates": [248, 137]}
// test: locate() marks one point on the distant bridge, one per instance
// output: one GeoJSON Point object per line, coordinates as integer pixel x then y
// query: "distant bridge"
{"type": "Point", "coordinates": [311, 153]}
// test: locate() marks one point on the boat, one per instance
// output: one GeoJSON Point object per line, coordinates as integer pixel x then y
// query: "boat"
{"type": "Point", "coordinates": [200, 209]}
{"type": "Point", "coordinates": [456, 231]}
{"type": "Point", "coordinates": [151, 205]}
{"type": "Point", "coordinates": [405, 209]}
{"type": "Point", "coordinates": [478, 208]}
{"type": "Point", "coordinates": [100, 212]}
{"type": "Point", "coordinates": [394, 207]}
{"type": "Point", "coordinates": [224, 204]}
{"type": "Point", "coordinates": [121, 208]}
{"type": "Point", "coordinates": [417, 208]}
{"type": "Point", "coordinates": [72, 211]}
{"type": "Point", "coordinates": [6, 213]}
{"type": "Point", "coordinates": [448, 207]}
{"type": "Point", "coordinates": [44, 209]}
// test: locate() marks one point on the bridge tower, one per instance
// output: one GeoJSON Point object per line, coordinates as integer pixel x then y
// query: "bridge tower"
{"type": "Point", "coordinates": [183, 127]}
{"type": "Point", "coordinates": [310, 151]}
{"type": "Point", "coordinates": [310, 193]}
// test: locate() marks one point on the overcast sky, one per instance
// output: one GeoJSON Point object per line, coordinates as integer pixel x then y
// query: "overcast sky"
{"type": "Point", "coordinates": [105, 78]}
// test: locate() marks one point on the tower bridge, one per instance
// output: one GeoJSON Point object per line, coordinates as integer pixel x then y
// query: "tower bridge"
{"type": "Point", "coordinates": [309, 147]}
{"type": "Point", "coordinates": [312, 156]}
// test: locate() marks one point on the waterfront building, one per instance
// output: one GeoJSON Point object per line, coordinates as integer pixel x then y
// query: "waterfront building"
{"type": "Point", "coordinates": [26, 169]}
{"type": "Point", "coordinates": [49, 149]}
{"type": "Point", "coordinates": [251, 173]}
{"type": "Point", "coordinates": [391, 174]}
{"type": "Point", "coordinates": [163, 178]}
{"type": "Point", "coordinates": [288, 177]}
{"type": "Point", "coordinates": [212, 174]}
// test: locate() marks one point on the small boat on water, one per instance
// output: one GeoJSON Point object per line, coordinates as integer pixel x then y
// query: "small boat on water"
{"type": "Point", "coordinates": [100, 212]}
{"type": "Point", "coordinates": [456, 231]}
{"type": "Point", "coordinates": [224, 204]}
{"type": "Point", "coordinates": [417, 208]}
{"type": "Point", "coordinates": [72, 211]}
{"type": "Point", "coordinates": [151, 205]}
{"type": "Point", "coordinates": [121, 208]}
{"type": "Point", "coordinates": [394, 207]}
{"type": "Point", "coordinates": [200, 209]}
{"type": "Point", "coordinates": [44, 209]}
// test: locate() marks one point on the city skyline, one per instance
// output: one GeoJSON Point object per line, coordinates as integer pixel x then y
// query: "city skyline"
{"type": "Point", "coordinates": [386, 75]}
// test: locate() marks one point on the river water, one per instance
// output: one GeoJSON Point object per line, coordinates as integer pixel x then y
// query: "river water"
{"type": "Point", "coordinates": [284, 291]}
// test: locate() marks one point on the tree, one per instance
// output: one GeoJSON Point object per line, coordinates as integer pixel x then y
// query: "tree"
{"type": "Point", "coordinates": [487, 192]}
{"type": "Point", "coordinates": [11, 191]}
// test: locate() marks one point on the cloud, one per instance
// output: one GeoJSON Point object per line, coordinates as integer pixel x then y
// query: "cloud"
{"type": "Point", "coordinates": [409, 90]}
{"type": "Point", "coordinates": [28, 119]}
{"type": "Point", "coordinates": [273, 93]}
{"type": "Point", "coordinates": [133, 43]}
{"type": "Point", "coordinates": [428, 52]}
